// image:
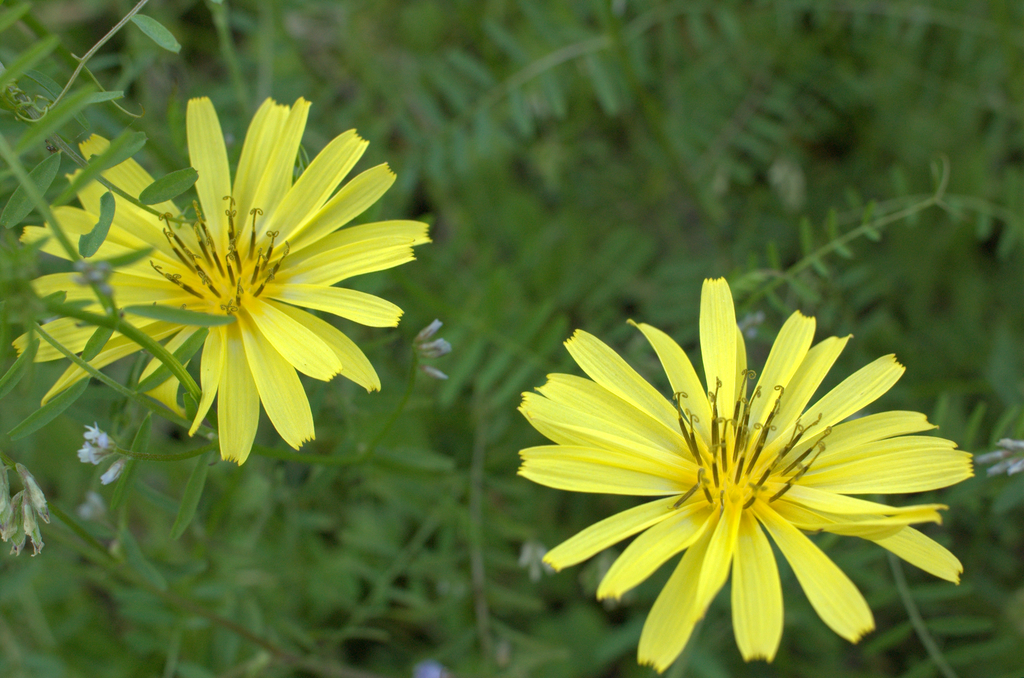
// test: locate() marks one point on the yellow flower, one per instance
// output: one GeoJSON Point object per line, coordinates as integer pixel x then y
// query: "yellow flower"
{"type": "Point", "coordinates": [262, 247]}
{"type": "Point", "coordinates": [730, 467]}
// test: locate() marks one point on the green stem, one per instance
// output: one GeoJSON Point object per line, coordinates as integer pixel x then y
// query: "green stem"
{"type": "Point", "coordinates": [179, 456]}
{"type": "Point", "coordinates": [935, 199]}
{"type": "Point", "coordinates": [117, 386]}
{"type": "Point", "coordinates": [917, 621]}
{"type": "Point", "coordinates": [80, 531]}
{"type": "Point", "coordinates": [95, 48]}
{"type": "Point", "coordinates": [119, 324]}
{"type": "Point", "coordinates": [219, 11]}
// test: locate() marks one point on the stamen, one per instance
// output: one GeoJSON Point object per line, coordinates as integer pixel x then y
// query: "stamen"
{"type": "Point", "coordinates": [230, 214]}
{"type": "Point", "coordinates": [256, 267]}
{"type": "Point", "coordinates": [168, 234]}
{"type": "Point", "coordinates": [213, 248]}
{"type": "Point", "coordinates": [252, 237]}
{"type": "Point", "coordinates": [784, 490]}
{"type": "Point", "coordinates": [808, 451]}
{"type": "Point", "coordinates": [176, 279]}
{"type": "Point", "coordinates": [689, 493]}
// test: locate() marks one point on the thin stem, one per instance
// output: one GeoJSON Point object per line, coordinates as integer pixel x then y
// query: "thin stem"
{"type": "Point", "coordinates": [102, 41]}
{"type": "Point", "coordinates": [476, 532]}
{"type": "Point", "coordinates": [118, 324]}
{"type": "Point", "coordinates": [372, 447]}
{"type": "Point", "coordinates": [219, 11]}
{"type": "Point", "coordinates": [300, 458]}
{"type": "Point", "coordinates": [917, 621]}
{"type": "Point", "coordinates": [116, 385]}
{"type": "Point", "coordinates": [178, 456]}
{"type": "Point", "coordinates": [935, 199]}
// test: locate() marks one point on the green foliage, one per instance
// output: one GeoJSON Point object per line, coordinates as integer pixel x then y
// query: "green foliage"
{"type": "Point", "coordinates": [581, 163]}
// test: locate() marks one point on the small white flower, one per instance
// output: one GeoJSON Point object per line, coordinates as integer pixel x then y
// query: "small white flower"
{"type": "Point", "coordinates": [92, 508]}
{"type": "Point", "coordinates": [98, 445]}
{"type": "Point", "coordinates": [531, 556]}
{"type": "Point", "coordinates": [433, 372]}
{"type": "Point", "coordinates": [1008, 460]}
{"type": "Point", "coordinates": [114, 472]}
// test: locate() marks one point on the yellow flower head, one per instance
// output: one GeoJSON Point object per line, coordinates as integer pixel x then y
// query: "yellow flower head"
{"type": "Point", "coordinates": [260, 247]}
{"type": "Point", "coordinates": [731, 463]}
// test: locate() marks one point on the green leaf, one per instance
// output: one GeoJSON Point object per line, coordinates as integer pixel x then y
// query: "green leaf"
{"type": "Point", "coordinates": [8, 18]}
{"type": "Point", "coordinates": [17, 371]}
{"type": "Point", "coordinates": [190, 500]}
{"type": "Point", "coordinates": [99, 97]}
{"type": "Point", "coordinates": [69, 107]}
{"type": "Point", "coordinates": [19, 205]}
{"type": "Point", "coordinates": [191, 406]}
{"type": "Point", "coordinates": [139, 444]}
{"type": "Point", "coordinates": [138, 562]}
{"type": "Point", "coordinates": [27, 59]}
{"type": "Point", "coordinates": [156, 32]}
{"type": "Point", "coordinates": [128, 259]}
{"type": "Point", "coordinates": [179, 315]}
{"type": "Point", "coordinates": [96, 343]}
{"type": "Point", "coordinates": [89, 243]}
{"type": "Point", "coordinates": [48, 412]}
{"type": "Point", "coordinates": [183, 354]}
{"type": "Point", "coordinates": [120, 149]}
{"type": "Point", "coordinates": [169, 186]}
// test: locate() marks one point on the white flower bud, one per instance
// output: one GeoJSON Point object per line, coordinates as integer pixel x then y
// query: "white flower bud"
{"type": "Point", "coordinates": [433, 372]}
{"type": "Point", "coordinates": [114, 472]}
{"type": "Point", "coordinates": [428, 331]}
{"type": "Point", "coordinates": [31, 527]}
{"type": "Point", "coordinates": [34, 496]}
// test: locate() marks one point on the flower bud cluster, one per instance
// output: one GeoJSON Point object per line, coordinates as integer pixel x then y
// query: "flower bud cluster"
{"type": "Point", "coordinates": [97, 447]}
{"type": "Point", "coordinates": [94, 274]}
{"type": "Point", "coordinates": [1009, 459]}
{"type": "Point", "coordinates": [20, 514]}
{"type": "Point", "coordinates": [427, 347]}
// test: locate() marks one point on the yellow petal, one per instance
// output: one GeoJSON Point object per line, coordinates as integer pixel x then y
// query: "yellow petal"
{"type": "Point", "coordinates": [849, 437]}
{"type": "Point", "coordinates": [352, 200]}
{"type": "Point", "coordinates": [584, 403]}
{"type": "Point", "coordinates": [605, 367]}
{"type": "Point", "coordinates": [238, 401]}
{"type": "Point", "coordinates": [583, 469]}
{"type": "Point", "coordinates": [210, 371]}
{"type": "Point", "coordinates": [299, 345]}
{"type": "Point", "coordinates": [280, 164]}
{"type": "Point", "coordinates": [718, 341]}
{"type": "Point", "coordinates": [830, 502]}
{"type": "Point", "coordinates": [172, 345]}
{"type": "Point", "coordinates": [893, 466]}
{"type": "Point", "coordinates": [260, 140]}
{"type": "Point", "coordinates": [406, 232]}
{"type": "Point", "coordinates": [803, 384]}
{"type": "Point", "coordinates": [209, 158]}
{"type": "Point", "coordinates": [867, 527]}
{"type": "Point", "coordinates": [919, 550]}
{"type": "Point", "coordinates": [607, 532]}
{"type": "Point", "coordinates": [741, 366]}
{"type": "Point", "coordinates": [317, 183]}
{"type": "Point", "coordinates": [831, 593]}
{"type": "Point", "coordinates": [167, 392]}
{"type": "Point", "coordinates": [682, 377]}
{"type": "Point", "coordinates": [66, 331]}
{"type": "Point", "coordinates": [718, 558]}
{"type": "Point", "coordinates": [345, 262]}
{"type": "Point", "coordinates": [128, 175]}
{"type": "Point", "coordinates": [756, 593]}
{"type": "Point", "coordinates": [118, 347]}
{"type": "Point", "coordinates": [654, 547]}
{"type": "Point", "coordinates": [858, 390]}
{"type": "Point", "coordinates": [365, 309]}
{"type": "Point", "coordinates": [677, 609]}
{"type": "Point", "coordinates": [279, 387]}
{"type": "Point", "coordinates": [354, 364]}
{"type": "Point", "coordinates": [787, 354]}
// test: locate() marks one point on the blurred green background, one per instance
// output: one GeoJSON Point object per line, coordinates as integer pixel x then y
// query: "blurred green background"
{"type": "Point", "coordinates": [582, 162]}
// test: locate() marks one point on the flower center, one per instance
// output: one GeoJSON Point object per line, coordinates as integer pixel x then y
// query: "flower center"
{"type": "Point", "coordinates": [732, 469]}
{"type": "Point", "coordinates": [223, 280]}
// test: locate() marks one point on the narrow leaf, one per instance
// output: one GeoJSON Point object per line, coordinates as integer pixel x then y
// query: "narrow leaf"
{"type": "Point", "coordinates": [96, 343]}
{"type": "Point", "coordinates": [128, 259]}
{"type": "Point", "coordinates": [183, 355]}
{"type": "Point", "coordinates": [138, 562]}
{"type": "Point", "coordinates": [89, 243]}
{"type": "Point", "coordinates": [139, 444]}
{"type": "Point", "coordinates": [190, 500]}
{"type": "Point", "coordinates": [99, 97]}
{"type": "Point", "coordinates": [156, 32]}
{"type": "Point", "coordinates": [179, 315]}
{"type": "Point", "coordinates": [120, 149]}
{"type": "Point", "coordinates": [27, 59]}
{"type": "Point", "coordinates": [8, 18]}
{"type": "Point", "coordinates": [19, 205]}
{"type": "Point", "coordinates": [169, 186]}
{"type": "Point", "coordinates": [48, 412]}
{"type": "Point", "coordinates": [18, 369]}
